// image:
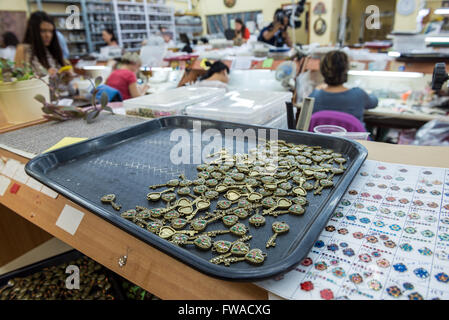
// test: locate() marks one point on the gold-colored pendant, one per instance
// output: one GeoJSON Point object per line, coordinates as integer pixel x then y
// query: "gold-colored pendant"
{"type": "Point", "coordinates": [109, 199]}
{"type": "Point", "coordinates": [278, 228]}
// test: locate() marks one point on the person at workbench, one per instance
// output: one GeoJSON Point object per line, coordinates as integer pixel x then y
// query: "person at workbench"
{"type": "Point", "coordinates": [217, 76]}
{"type": "Point", "coordinates": [41, 48]}
{"type": "Point", "coordinates": [124, 76]}
{"type": "Point", "coordinates": [333, 95]}
{"type": "Point", "coordinates": [242, 33]}
{"type": "Point", "coordinates": [276, 34]}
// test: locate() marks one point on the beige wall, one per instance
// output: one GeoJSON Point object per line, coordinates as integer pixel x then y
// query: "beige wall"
{"type": "Point", "coordinates": [333, 11]}
{"type": "Point", "coordinates": [406, 23]}
{"type": "Point", "coordinates": [356, 10]}
{"type": "Point", "coordinates": [13, 5]}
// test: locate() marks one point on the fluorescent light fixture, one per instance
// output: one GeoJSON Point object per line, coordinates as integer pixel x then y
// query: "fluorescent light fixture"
{"type": "Point", "coordinates": [394, 54]}
{"type": "Point", "coordinates": [95, 68]}
{"type": "Point", "coordinates": [442, 11]}
{"type": "Point", "coordinates": [388, 74]}
{"type": "Point", "coordinates": [423, 12]}
{"type": "Point", "coordinates": [437, 39]}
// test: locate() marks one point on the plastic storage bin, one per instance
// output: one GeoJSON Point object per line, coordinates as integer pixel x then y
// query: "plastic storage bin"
{"type": "Point", "coordinates": [249, 107]}
{"type": "Point", "coordinates": [169, 103]}
{"type": "Point", "coordinates": [280, 122]}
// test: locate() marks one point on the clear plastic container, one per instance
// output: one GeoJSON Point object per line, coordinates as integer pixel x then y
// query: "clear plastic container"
{"type": "Point", "coordinates": [249, 107]}
{"type": "Point", "coordinates": [169, 103]}
{"type": "Point", "coordinates": [353, 135]}
{"type": "Point", "coordinates": [329, 129]}
{"type": "Point", "coordinates": [280, 122]}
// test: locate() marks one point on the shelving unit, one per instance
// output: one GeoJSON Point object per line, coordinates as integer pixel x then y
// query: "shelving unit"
{"type": "Point", "coordinates": [191, 25]}
{"type": "Point", "coordinates": [132, 22]}
{"type": "Point", "coordinates": [160, 15]}
{"type": "Point", "coordinates": [100, 16]}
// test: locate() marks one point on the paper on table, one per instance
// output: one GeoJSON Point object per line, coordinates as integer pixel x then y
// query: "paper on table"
{"type": "Point", "coordinates": [4, 184]}
{"type": "Point", "coordinates": [387, 239]}
{"type": "Point", "coordinates": [49, 192]}
{"type": "Point", "coordinates": [242, 63]}
{"type": "Point", "coordinates": [34, 184]}
{"type": "Point", "coordinates": [10, 168]}
{"type": "Point", "coordinates": [268, 63]}
{"type": "Point", "coordinates": [70, 219]}
{"type": "Point", "coordinates": [21, 175]}
{"type": "Point", "coordinates": [65, 142]}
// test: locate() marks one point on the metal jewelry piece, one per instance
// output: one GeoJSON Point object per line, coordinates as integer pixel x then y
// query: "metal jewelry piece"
{"type": "Point", "coordinates": [110, 198]}
{"type": "Point", "coordinates": [278, 228]}
{"type": "Point", "coordinates": [156, 196]}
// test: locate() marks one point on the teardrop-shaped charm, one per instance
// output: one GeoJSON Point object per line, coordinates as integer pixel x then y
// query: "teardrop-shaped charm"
{"type": "Point", "coordinates": [257, 220]}
{"type": "Point", "coordinates": [239, 229]}
{"type": "Point", "coordinates": [229, 221]}
{"type": "Point", "coordinates": [222, 246]}
{"type": "Point", "coordinates": [255, 256]}
{"type": "Point", "coordinates": [203, 242]}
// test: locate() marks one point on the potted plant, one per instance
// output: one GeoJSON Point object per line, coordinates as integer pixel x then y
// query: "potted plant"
{"type": "Point", "coordinates": [18, 87]}
{"type": "Point", "coordinates": [53, 111]}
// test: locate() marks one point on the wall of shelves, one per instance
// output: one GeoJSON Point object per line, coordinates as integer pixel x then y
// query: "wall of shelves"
{"type": "Point", "coordinates": [132, 22]}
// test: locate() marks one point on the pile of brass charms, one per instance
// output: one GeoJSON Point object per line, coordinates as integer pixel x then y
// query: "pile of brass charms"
{"type": "Point", "coordinates": [50, 284]}
{"type": "Point", "coordinates": [273, 180]}
{"type": "Point", "coordinates": [133, 292]}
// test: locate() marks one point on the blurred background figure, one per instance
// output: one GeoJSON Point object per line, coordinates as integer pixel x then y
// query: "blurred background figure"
{"type": "Point", "coordinates": [109, 37]}
{"type": "Point", "coordinates": [41, 48]}
{"type": "Point", "coordinates": [124, 77]}
{"type": "Point", "coordinates": [8, 45]}
{"type": "Point", "coordinates": [242, 33]}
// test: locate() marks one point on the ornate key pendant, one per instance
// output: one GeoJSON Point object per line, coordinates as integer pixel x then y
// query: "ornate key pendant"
{"type": "Point", "coordinates": [156, 196]}
{"type": "Point", "coordinates": [109, 199]}
{"type": "Point", "coordinates": [278, 228]}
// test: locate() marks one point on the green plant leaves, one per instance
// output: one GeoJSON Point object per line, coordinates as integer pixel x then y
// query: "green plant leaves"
{"type": "Point", "coordinates": [107, 108]}
{"type": "Point", "coordinates": [98, 81]}
{"type": "Point", "coordinates": [40, 98]}
{"type": "Point", "coordinates": [104, 99]}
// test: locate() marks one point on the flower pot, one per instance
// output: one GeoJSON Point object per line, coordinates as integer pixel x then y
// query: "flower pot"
{"type": "Point", "coordinates": [17, 101]}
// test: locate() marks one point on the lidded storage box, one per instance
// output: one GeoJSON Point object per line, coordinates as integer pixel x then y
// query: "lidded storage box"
{"type": "Point", "coordinates": [169, 103]}
{"type": "Point", "coordinates": [248, 106]}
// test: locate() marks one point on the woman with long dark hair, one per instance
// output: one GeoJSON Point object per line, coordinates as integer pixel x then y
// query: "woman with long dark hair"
{"type": "Point", "coordinates": [8, 46]}
{"type": "Point", "coordinates": [40, 46]}
{"type": "Point", "coordinates": [241, 31]}
{"type": "Point", "coordinates": [109, 37]}
{"type": "Point", "coordinates": [217, 76]}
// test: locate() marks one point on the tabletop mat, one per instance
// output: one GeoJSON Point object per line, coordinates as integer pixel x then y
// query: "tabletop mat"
{"type": "Point", "coordinates": [36, 139]}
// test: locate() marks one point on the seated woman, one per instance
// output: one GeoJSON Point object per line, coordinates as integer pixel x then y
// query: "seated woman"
{"type": "Point", "coordinates": [124, 77]}
{"type": "Point", "coordinates": [242, 33]}
{"type": "Point", "coordinates": [217, 76]}
{"type": "Point", "coordinates": [109, 38]}
{"type": "Point", "coordinates": [41, 47]}
{"type": "Point", "coordinates": [334, 95]}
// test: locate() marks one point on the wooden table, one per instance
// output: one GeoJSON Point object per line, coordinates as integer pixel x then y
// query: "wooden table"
{"type": "Point", "coordinates": [386, 119]}
{"type": "Point", "coordinates": [148, 267]}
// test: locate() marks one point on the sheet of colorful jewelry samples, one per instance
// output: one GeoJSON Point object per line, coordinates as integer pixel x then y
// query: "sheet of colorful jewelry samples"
{"type": "Point", "coordinates": [387, 239]}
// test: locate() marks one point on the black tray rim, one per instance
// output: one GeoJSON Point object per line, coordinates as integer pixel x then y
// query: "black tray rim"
{"type": "Point", "coordinates": [218, 271]}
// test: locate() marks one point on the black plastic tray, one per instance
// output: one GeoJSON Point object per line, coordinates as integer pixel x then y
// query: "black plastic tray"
{"type": "Point", "coordinates": [65, 257]}
{"type": "Point", "coordinates": [127, 161]}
